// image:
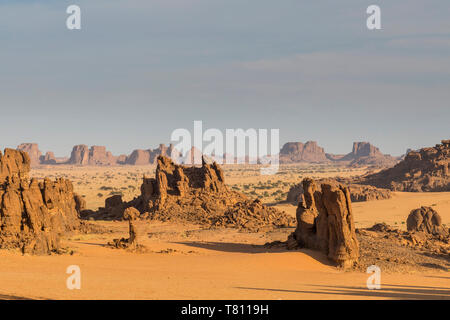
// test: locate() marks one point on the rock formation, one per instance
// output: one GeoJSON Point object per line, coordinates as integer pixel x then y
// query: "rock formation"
{"type": "Point", "coordinates": [132, 243]}
{"type": "Point", "coordinates": [95, 156]}
{"type": "Point", "coordinates": [146, 157]}
{"type": "Point", "coordinates": [298, 152]}
{"type": "Point", "coordinates": [423, 170]}
{"type": "Point", "coordinates": [48, 158]}
{"type": "Point", "coordinates": [358, 193]}
{"type": "Point", "coordinates": [325, 223]}
{"type": "Point", "coordinates": [33, 214]}
{"type": "Point", "coordinates": [426, 219]}
{"type": "Point", "coordinates": [33, 152]}
{"type": "Point", "coordinates": [193, 194]}
{"type": "Point", "coordinates": [365, 154]}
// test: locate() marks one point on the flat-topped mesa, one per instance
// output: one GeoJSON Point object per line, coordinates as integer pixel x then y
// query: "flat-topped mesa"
{"type": "Point", "coordinates": [325, 222]}
{"type": "Point", "coordinates": [94, 156]}
{"type": "Point", "coordinates": [33, 213]}
{"type": "Point", "coordinates": [146, 157]}
{"type": "Point", "coordinates": [299, 152]}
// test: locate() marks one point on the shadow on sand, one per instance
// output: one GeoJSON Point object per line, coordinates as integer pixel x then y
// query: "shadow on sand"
{"type": "Point", "coordinates": [254, 249]}
{"type": "Point", "coordinates": [10, 297]}
{"type": "Point", "coordinates": [387, 291]}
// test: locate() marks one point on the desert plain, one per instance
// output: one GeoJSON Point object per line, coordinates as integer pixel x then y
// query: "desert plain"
{"type": "Point", "coordinates": [189, 261]}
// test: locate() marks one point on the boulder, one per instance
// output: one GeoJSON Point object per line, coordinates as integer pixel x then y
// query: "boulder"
{"type": "Point", "coordinates": [426, 219]}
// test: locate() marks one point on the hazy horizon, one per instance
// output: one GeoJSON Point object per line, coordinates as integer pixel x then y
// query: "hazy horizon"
{"type": "Point", "coordinates": [137, 70]}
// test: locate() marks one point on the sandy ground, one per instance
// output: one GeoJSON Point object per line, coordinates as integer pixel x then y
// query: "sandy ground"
{"type": "Point", "coordinates": [187, 262]}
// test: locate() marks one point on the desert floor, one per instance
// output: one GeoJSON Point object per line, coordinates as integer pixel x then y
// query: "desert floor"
{"type": "Point", "coordinates": [190, 262]}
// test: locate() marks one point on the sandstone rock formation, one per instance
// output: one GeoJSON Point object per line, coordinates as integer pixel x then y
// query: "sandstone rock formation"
{"type": "Point", "coordinates": [146, 157]}
{"type": "Point", "coordinates": [423, 170]}
{"type": "Point", "coordinates": [132, 243]}
{"type": "Point", "coordinates": [197, 195]}
{"type": "Point", "coordinates": [48, 158]}
{"type": "Point", "coordinates": [33, 214]}
{"type": "Point", "coordinates": [298, 152]}
{"type": "Point", "coordinates": [32, 149]}
{"type": "Point", "coordinates": [426, 219]}
{"type": "Point", "coordinates": [365, 154]}
{"type": "Point", "coordinates": [79, 155]}
{"type": "Point", "coordinates": [95, 156]}
{"type": "Point", "coordinates": [358, 193]}
{"type": "Point", "coordinates": [325, 223]}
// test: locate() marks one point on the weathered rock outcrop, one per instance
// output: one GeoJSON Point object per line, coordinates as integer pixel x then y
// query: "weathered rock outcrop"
{"type": "Point", "coordinates": [423, 170]}
{"type": "Point", "coordinates": [32, 149]}
{"type": "Point", "coordinates": [95, 156]}
{"type": "Point", "coordinates": [197, 195]}
{"type": "Point", "coordinates": [426, 219]}
{"type": "Point", "coordinates": [358, 193]}
{"type": "Point", "coordinates": [325, 223]}
{"type": "Point", "coordinates": [299, 152]}
{"type": "Point", "coordinates": [33, 213]}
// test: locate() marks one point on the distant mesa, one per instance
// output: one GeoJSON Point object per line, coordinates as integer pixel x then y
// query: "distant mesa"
{"type": "Point", "coordinates": [423, 170]}
{"type": "Point", "coordinates": [293, 152]}
{"type": "Point", "coordinates": [146, 157]}
{"type": "Point", "coordinates": [95, 156]}
{"type": "Point", "coordinates": [363, 154]}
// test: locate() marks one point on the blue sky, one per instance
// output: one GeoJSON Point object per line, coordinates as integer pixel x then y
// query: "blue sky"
{"type": "Point", "coordinates": [139, 69]}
